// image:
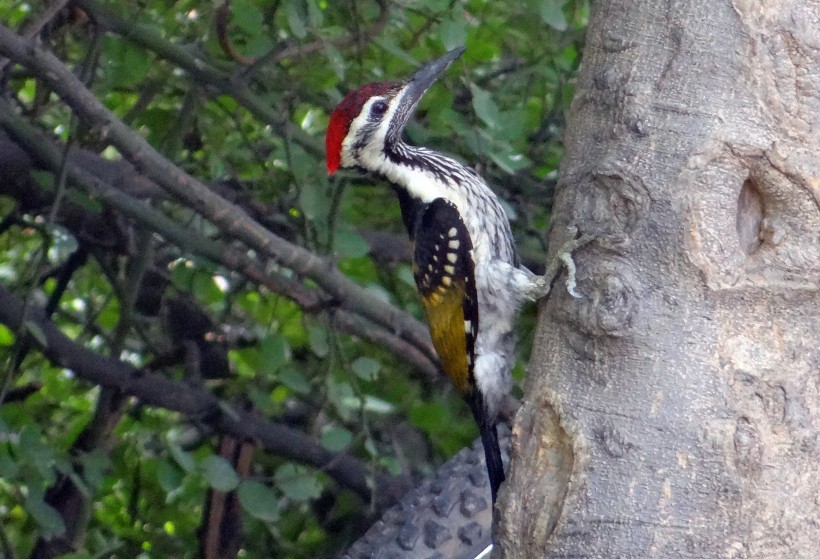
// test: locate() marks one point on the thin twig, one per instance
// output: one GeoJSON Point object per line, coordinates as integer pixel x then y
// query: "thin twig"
{"type": "Point", "coordinates": [214, 81]}
{"type": "Point", "coordinates": [227, 217]}
{"type": "Point", "coordinates": [311, 300]}
{"type": "Point", "coordinates": [158, 390]}
{"type": "Point", "coordinates": [35, 27]}
{"type": "Point", "coordinates": [281, 53]}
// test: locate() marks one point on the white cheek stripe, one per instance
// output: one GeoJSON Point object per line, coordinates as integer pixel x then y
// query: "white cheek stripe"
{"type": "Point", "coordinates": [372, 151]}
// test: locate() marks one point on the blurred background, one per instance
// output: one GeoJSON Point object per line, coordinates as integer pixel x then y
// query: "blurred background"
{"type": "Point", "coordinates": [279, 405]}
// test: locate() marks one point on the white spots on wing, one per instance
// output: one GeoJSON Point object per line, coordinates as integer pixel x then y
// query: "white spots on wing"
{"type": "Point", "coordinates": [429, 267]}
{"type": "Point", "coordinates": [449, 269]}
{"type": "Point", "coordinates": [446, 280]}
{"type": "Point", "coordinates": [453, 244]}
{"type": "Point", "coordinates": [468, 326]}
{"type": "Point", "coordinates": [485, 234]}
{"type": "Point", "coordinates": [452, 232]}
{"type": "Point", "coordinates": [452, 257]}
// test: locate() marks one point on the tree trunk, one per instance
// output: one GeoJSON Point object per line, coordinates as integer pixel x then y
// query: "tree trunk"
{"type": "Point", "coordinates": [674, 410]}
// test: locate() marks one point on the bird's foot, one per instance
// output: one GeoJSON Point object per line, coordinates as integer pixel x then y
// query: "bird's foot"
{"type": "Point", "coordinates": [543, 284]}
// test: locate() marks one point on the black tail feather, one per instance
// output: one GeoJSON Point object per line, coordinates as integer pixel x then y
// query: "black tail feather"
{"type": "Point", "coordinates": [489, 438]}
{"type": "Point", "coordinates": [492, 452]}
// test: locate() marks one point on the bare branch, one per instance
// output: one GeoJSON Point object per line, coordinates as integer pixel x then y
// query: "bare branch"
{"type": "Point", "coordinates": [49, 156]}
{"type": "Point", "coordinates": [215, 81]}
{"type": "Point", "coordinates": [229, 218]}
{"type": "Point", "coordinates": [222, 17]}
{"type": "Point", "coordinates": [39, 147]}
{"type": "Point", "coordinates": [157, 390]}
{"type": "Point", "coordinates": [36, 26]}
{"type": "Point", "coordinates": [278, 54]}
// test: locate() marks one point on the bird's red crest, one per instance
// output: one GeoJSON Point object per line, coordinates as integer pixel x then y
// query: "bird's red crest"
{"type": "Point", "coordinates": [343, 115]}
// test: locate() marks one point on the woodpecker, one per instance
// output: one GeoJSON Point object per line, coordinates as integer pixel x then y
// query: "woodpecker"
{"type": "Point", "coordinates": [465, 265]}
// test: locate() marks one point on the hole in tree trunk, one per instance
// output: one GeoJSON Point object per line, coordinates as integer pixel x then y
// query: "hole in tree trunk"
{"type": "Point", "coordinates": [749, 217]}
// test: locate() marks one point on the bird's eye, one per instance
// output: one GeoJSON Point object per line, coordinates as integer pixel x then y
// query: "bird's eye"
{"type": "Point", "coordinates": [378, 109]}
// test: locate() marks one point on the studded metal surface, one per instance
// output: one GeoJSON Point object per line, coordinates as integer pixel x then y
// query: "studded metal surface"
{"type": "Point", "coordinates": [448, 517]}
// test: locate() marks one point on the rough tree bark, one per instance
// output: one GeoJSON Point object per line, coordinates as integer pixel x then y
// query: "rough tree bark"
{"type": "Point", "coordinates": [674, 411]}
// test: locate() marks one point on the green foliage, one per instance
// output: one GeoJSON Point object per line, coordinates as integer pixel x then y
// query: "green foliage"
{"type": "Point", "coordinates": [336, 438]}
{"type": "Point", "coordinates": [297, 483]}
{"type": "Point", "coordinates": [219, 473]}
{"type": "Point", "coordinates": [259, 501]}
{"type": "Point", "coordinates": [500, 108]}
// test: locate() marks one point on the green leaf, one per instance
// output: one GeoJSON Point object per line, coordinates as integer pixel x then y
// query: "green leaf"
{"type": "Point", "coordinates": [350, 244]}
{"type": "Point", "coordinates": [110, 315]}
{"type": "Point", "coordinates": [182, 457]}
{"type": "Point", "coordinates": [369, 404]}
{"type": "Point", "coordinates": [315, 15]}
{"type": "Point", "coordinates": [509, 161]}
{"type": "Point", "coordinates": [479, 49]}
{"type": "Point", "coordinates": [258, 45]}
{"type": "Point", "coordinates": [552, 14]}
{"type": "Point", "coordinates": [484, 106]}
{"type": "Point", "coordinates": [219, 473]}
{"type": "Point", "coordinates": [319, 343]}
{"type": "Point", "coordinates": [94, 466]}
{"type": "Point", "coordinates": [248, 361]}
{"type": "Point", "coordinates": [405, 274]}
{"type": "Point", "coordinates": [258, 500]}
{"type": "Point", "coordinates": [340, 393]}
{"type": "Point", "coordinates": [9, 467]}
{"type": "Point", "coordinates": [125, 64]}
{"type": "Point", "coordinates": [279, 395]}
{"type": "Point", "coordinates": [428, 416]}
{"type": "Point", "coordinates": [169, 476]}
{"type": "Point", "coordinates": [435, 5]}
{"type": "Point", "coordinates": [296, 18]}
{"type": "Point", "coordinates": [247, 17]}
{"type": "Point", "coordinates": [453, 32]}
{"type": "Point", "coordinates": [366, 368]}
{"type": "Point", "coordinates": [43, 179]}
{"type": "Point", "coordinates": [33, 450]}
{"type": "Point", "coordinates": [388, 43]}
{"type": "Point", "coordinates": [274, 352]}
{"type": "Point", "coordinates": [297, 483]}
{"type": "Point", "coordinates": [294, 380]}
{"type": "Point", "coordinates": [313, 199]}
{"type": "Point", "coordinates": [6, 336]}
{"type": "Point", "coordinates": [337, 61]}
{"type": "Point", "coordinates": [336, 439]}
{"type": "Point", "coordinates": [47, 518]}
{"type": "Point", "coordinates": [206, 289]}
{"type": "Point", "coordinates": [159, 123]}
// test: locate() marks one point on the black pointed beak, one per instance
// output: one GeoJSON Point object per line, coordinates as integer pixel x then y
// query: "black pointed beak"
{"type": "Point", "coordinates": [415, 87]}
{"type": "Point", "coordinates": [429, 73]}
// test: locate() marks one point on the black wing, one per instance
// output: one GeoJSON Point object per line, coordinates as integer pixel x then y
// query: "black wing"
{"type": "Point", "coordinates": [444, 271]}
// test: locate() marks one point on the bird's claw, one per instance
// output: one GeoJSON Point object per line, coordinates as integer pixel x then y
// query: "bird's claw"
{"type": "Point", "coordinates": [564, 256]}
